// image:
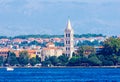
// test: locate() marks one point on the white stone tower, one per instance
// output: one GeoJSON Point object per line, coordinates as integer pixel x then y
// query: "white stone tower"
{"type": "Point", "coordinates": [69, 40]}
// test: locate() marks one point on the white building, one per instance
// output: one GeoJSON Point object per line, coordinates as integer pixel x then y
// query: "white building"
{"type": "Point", "coordinates": [50, 50]}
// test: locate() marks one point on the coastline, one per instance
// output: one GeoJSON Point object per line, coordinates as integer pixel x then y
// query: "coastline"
{"type": "Point", "coordinates": [68, 67]}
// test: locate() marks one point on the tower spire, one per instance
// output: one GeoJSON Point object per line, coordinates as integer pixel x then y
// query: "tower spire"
{"type": "Point", "coordinates": [69, 25]}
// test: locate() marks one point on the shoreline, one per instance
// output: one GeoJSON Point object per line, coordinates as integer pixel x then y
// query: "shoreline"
{"type": "Point", "coordinates": [68, 67]}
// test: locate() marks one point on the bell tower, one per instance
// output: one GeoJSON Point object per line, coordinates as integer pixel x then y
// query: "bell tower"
{"type": "Point", "coordinates": [69, 40]}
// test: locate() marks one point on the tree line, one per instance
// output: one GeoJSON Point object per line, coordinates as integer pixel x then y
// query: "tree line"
{"type": "Point", "coordinates": [22, 60]}
{"type": "Point", "coordinates": [52, 36]}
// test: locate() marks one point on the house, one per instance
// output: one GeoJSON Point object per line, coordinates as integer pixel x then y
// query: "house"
{"type": "Point", "coordinates": [4, 52]}
{"type": "Point", "coordinates": [31, 52]}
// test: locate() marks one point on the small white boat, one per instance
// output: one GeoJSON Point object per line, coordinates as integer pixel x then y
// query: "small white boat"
{"type": "Point", "coordinates": [10, 69]}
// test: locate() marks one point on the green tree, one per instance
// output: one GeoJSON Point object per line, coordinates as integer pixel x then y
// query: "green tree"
{"type": "Point", "coordinates": [118, 60]}
{"type": "Point", "coordinates": [11, 59]}
{"type": "Point", "coordinates": [1, 60]}
{"type": "Point", "coordinates": [23, 58]}
{"type": "Point", "coordinates": [33, 61]}
{"type": "Point", "coordinates": [54, 60]}
{"type": "Point", "coordinates": [93, 60]}
{"type": "Point", "coordinates": [111, 46]}
{"type": "Point", "coordinates": [38, 59]}
{"type": "Point", "coordinates": [83, 49]}
{"type": "Point", "coordinates": [108, 63]}
{"type": "Point", "coordinates": [63, 60]}
{"type": "Point", "coordinates": [108, 59]}
{"type": "Point", "coordinates": [110, 53]}
{"type": "Point", "coordinates": [74, 61]}
{"type": "Point", "coordinates": [46, 62]}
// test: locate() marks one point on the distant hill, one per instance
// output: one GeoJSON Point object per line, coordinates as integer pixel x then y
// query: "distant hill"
{"type": "Point", "coordinates": [89, 35]}
{"type": "Point", "coordinates": [52, 36]}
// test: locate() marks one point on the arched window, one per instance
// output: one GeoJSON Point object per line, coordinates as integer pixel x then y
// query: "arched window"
{"type": "Point", "coordinates": [67, 35]}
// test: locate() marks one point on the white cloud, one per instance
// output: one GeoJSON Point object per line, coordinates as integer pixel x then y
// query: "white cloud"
{"type": "Point", "coordinates": [5, 5]}
{"type": "Point", "coordinates": [32, 6]}
{"type": "Point", "coordinates": [25, 6]}
{"type": "Point", "coordinates": [98, 14]}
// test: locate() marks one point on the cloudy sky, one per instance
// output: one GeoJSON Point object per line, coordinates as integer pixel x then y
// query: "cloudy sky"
{"type": "Point", "coordinates": [18, 17]}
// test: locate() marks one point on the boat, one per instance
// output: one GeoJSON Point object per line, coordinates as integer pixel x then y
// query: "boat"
{"type": "Point", "coordinates": [10, 69]}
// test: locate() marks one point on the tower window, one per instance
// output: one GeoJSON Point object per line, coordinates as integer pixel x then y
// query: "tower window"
{"type": "Point", "coordinates": [68, 55]}
{"type": "Point", "coordinates": [68, 42]}
{"type": "Point", "coordinates": [66, 48]}
{"type": "Point", "coordinates": [67, 35]}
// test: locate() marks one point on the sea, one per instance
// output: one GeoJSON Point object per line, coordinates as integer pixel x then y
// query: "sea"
{"type": "Point", "coordinates": [60, 75]}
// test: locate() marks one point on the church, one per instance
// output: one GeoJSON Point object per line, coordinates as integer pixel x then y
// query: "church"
{"type": "Point", "coordinates": [52, 50]}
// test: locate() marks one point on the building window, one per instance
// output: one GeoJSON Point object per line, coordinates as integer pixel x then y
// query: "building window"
{"type": "Point", "coordinates": [68, 42]}
{"type": "Point", "coordinates": [38, 52]}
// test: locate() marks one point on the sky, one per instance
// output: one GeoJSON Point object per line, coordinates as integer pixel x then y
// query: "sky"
{"type": "Point", "coordinates": [23, 17]}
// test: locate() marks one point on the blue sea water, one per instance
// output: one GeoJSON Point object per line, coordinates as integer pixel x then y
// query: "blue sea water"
{"type": "Point", "coordinates": [60, 75]}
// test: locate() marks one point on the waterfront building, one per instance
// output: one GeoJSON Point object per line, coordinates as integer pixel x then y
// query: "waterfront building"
{"type": "Point", "coordinates": [69, 40]}
{"type": "Point", "coordinates": [50, 50]}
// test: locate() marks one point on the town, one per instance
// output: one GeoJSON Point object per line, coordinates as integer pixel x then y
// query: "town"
{"type": "Point", "coordinates": [45, 46]}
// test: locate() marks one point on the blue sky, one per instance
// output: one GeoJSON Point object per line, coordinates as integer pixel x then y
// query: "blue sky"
{"type": "Point", "coordinates": [19, 17]}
